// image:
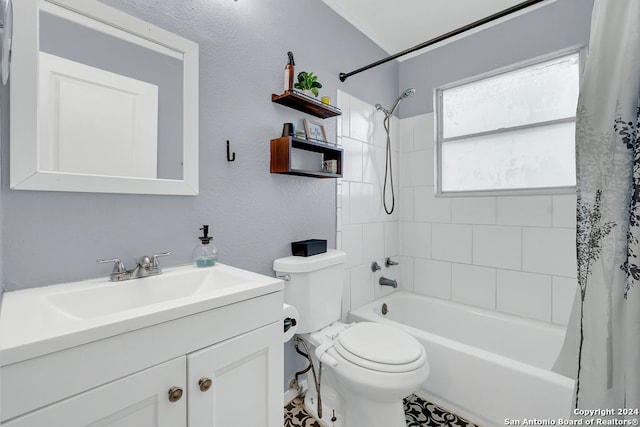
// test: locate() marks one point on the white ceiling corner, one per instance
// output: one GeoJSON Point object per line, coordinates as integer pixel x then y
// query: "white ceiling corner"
{"type": "Point", "coordinates": [397, 25]}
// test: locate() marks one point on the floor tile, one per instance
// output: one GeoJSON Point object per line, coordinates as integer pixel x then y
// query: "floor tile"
{"type": "Point", "coordinates": [418, 411]}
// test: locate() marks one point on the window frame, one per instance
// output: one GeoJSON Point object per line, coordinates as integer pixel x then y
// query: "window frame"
{"type": "Point", "coordinates": [438, 105]}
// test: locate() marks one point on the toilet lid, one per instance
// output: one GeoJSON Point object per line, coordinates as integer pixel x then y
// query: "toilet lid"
{"type": "Point", "coordinates": [380, 347]}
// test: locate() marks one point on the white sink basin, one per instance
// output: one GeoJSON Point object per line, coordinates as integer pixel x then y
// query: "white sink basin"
{"type": "Point", "coordinates": [114, 297]}
{"type": "Point", "coordinates": [43, 320]}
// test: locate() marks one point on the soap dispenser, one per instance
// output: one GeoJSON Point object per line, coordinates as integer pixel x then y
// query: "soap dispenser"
{"type": "Point", "coordinates": [205, 254]}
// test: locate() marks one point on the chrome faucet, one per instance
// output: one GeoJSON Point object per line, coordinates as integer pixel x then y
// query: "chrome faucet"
{"type": "Point", "coordinates": [388, 262]}
{"type": "Point", "coordinates": [145, 267]}
{"type": "Point", "coordinates": [387, 282]}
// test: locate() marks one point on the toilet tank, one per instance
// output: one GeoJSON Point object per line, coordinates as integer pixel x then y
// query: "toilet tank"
{"type": "Point", "coordinates": [314, 287]}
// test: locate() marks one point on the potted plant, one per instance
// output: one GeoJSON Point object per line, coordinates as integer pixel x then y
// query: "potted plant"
{"type": "Point", "coordinates": [308, 83]}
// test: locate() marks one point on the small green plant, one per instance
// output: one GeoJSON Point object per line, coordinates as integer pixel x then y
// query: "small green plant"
{"type": "Point", "coordinates": [308, 81]}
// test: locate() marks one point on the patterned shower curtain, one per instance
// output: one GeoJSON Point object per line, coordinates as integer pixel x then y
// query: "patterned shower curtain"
{"type": "Point", "coordinates": [602, 346]}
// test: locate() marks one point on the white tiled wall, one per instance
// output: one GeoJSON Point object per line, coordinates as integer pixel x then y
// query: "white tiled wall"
{"type": "Point", "coordinates": [513, 254]}
{"type": "Point", "coordinates": [364, 231]}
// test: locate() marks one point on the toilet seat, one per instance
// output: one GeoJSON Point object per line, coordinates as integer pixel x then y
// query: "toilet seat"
{"type": "Point", "coordinates": [380, 348]}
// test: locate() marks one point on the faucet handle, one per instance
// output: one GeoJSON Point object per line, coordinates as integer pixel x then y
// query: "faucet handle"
{"type": "Point", "coordinates": [154, 258]}
{"type": "Point", "coordinates": [388, 262]}
{"type": "Point", "coordinates": [118, 267]}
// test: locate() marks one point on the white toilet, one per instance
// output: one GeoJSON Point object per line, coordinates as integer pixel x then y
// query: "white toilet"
{"type": "Point", "coordinates": [368, 368]}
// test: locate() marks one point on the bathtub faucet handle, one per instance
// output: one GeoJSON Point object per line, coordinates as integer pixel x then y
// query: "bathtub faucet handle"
{"type": "Point", "coordinates": [375, 267]}
{"type": "Point", "coordinates": [388, 263]}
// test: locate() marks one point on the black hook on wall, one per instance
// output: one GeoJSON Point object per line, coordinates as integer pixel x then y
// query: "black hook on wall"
{"type": "Point", "coordinates": [231, 157]}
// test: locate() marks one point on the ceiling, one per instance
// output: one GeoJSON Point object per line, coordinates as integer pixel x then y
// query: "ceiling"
{"type": "Point", "coordinates": [397, 25]}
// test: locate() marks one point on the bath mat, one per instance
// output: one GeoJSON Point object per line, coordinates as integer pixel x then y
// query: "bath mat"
{"type": "Point", "coordinates": [418, 412]}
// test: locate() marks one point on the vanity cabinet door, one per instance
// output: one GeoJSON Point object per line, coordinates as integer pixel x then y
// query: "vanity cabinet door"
{"type": "Point", "coordinates": [138, 400]}
{"type": "Point", "coordinates": [238, 382]}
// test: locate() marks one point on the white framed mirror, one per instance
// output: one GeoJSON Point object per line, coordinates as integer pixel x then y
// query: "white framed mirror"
{"type": "Point", "coordinates": [101, 102]}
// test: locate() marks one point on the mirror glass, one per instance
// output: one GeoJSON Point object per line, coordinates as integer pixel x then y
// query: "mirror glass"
{"type": "Point", "coordinates": [115, 102]}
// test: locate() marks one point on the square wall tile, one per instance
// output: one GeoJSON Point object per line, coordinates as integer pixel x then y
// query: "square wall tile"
{"type": "Point", "coordinates": [565, 292]}
{"type": "Point", "coordinates": [346, 202]}
{"type": "Point", "coordinates": [346, 292]}
{"type": "Point", "coordinates": [373, 241]}
{"type": "Point", "coordinates": [352, 167]}
{"type": "Point", "coordinates": [395, 135]}
{"type": "Point", "coordinates": [415, 239]}
{"type": "Point", "coordinates": [532, 211]}
{"type": "Point", "coordinates": [451, 242]}
{"type": "Point", "coordinates": [473, 210]}
{"type": "Point", "coordinates": [524, 294]}
{"type": "Point", "coordinates": [429, 208]}
{"type": "Point", "coordinates": [473, 285]}
{"type": "Point", "coordinates": [549, 251]}
{"type": "Point", "coordinates": [379, 213]}
{"type": "Point", "coordinates": [564, 211]}
{"type": "Point", "coordinates": [391, 239]}
{"type": "Point", "coordinates": [406, 204]}
{"type": "Point", "coordinates": [352, 244]}
{"type": "Point", "coordinates": [406, 273]}
{"type": "Point", "coordinates": [496, 246]}
{"type": "Point", "coordinates": [432, 278]}
{"type": "Point", "coordinates": [361, 203]}
{"type": "Point", "coordinates": [379, 138]}
{"type": "Point", "coordinates": [421, 168]}
{"type": "Point", "coordinates": [373, 161]}
{"type": "Point", "coordinates": [405, 170]}
{"type": "Point", "coordinates": [424, 132]}
{"type": "Point", "coordinates": [362, 279]}
{"type": "Point", "coordinates": [343, 102]}
{"type": "Point", "coordinates": [406, 135]}
{"type": "Point", "coordinates": [361, 120]}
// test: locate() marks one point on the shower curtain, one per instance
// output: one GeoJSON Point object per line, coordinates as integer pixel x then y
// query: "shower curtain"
{"type": "Point", "coordinates": [602, 346]}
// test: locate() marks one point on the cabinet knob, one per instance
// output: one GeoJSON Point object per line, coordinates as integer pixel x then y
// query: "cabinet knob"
{"type": "Point", "coordinates": [175, 393]}
{"type": "Point", "coordinates": [205, 384]}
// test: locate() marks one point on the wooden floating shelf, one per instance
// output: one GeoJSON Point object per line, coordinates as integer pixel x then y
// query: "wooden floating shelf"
{"type": "Point", "coordinates": [281, 156]}
{"type": "Point", "coordinates": [301, 102]}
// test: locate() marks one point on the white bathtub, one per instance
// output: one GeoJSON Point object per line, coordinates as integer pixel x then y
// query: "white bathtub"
{"type": "Point", "coordinates": [485, 366]}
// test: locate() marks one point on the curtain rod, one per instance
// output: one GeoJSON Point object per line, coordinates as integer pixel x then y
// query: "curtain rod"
{"type": "Point", "coordinates": [475, 24]}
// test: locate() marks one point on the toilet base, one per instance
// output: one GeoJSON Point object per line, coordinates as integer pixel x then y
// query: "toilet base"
{"type": "Point", "coordinates": [362, 413]}
{"type": "Point", "coordinates": [332, 405]}
{"type": "Point", "coordinates": [332, 402]}
{"type": "Point", "coordinates": [353, 411]}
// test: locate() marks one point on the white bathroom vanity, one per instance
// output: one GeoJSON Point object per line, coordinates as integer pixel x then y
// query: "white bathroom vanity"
{"type": "Point", "coordinates": [191, 347]}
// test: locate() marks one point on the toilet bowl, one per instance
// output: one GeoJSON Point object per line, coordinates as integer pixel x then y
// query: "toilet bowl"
{"type": "Point", "coordinates": [366, 368]}
{"type": "Point", "coordinates": [372, 368]}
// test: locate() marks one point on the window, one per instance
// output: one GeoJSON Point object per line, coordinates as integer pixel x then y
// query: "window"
{"type": "Point", "coordinates": [510, 130]}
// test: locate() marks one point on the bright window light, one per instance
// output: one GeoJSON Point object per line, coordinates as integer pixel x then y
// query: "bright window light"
{"type": "Point", "coordinates": [511, 130]}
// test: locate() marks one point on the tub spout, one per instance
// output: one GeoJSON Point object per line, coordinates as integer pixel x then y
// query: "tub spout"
{"type": "Point", "coordinates": [388, 282]}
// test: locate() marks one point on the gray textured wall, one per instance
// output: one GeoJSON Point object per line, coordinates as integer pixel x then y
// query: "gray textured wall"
{"type": "Point", "coordinates": [51, 237]}
{"type": "Point", "coordinates": [559, 25]}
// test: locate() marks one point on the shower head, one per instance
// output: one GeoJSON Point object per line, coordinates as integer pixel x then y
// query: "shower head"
{"type": "Point", "coordinates": [407, 93]}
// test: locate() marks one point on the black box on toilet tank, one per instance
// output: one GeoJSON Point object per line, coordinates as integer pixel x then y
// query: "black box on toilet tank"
{"type": "Point", "coordinates": [309, 247]}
